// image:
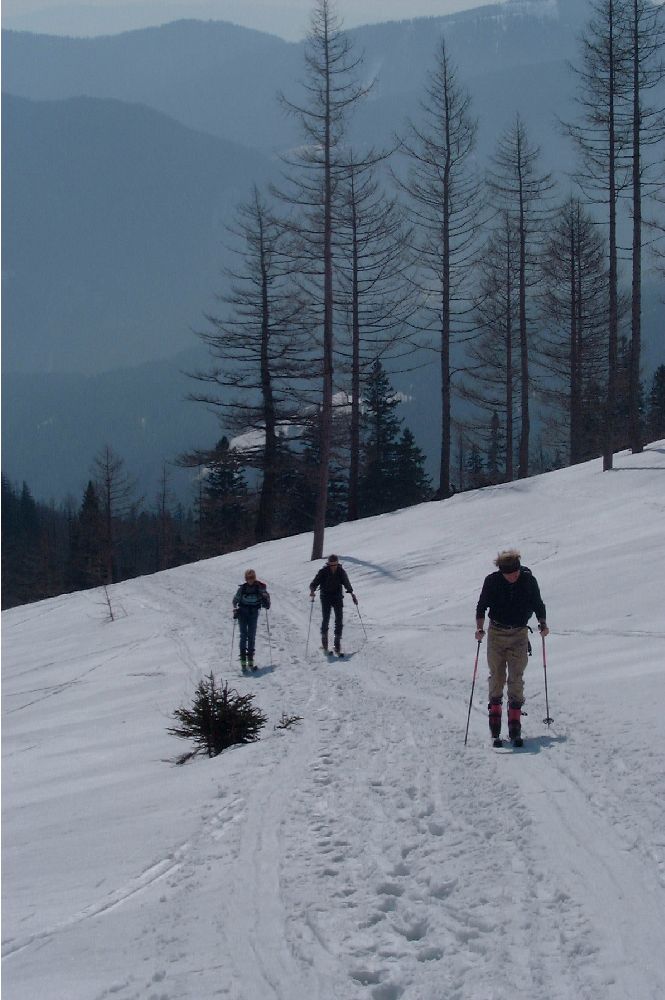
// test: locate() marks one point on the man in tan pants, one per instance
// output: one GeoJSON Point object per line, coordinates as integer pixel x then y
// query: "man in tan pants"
{"type": "Point", "coordinates": [512, 596]}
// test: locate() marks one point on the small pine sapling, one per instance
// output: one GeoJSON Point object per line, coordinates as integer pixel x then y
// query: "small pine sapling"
{"type": "Point", "coordinates": [217, 719]}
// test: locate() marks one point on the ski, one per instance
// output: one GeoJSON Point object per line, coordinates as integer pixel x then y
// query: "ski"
{"type": "Point", "coordinates": [507, 746]}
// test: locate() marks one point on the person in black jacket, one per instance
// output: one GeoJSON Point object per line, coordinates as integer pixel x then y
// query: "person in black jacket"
{"type": "Point", "coordinates": [512, 596]}
{"type": "Point", "coordinates": [249, 598]}
{"type": "Point", "coordinates": [333, 580]}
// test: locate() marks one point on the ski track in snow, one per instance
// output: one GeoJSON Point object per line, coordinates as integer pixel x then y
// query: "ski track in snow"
{"type": "Point", "coordinates": [365, 853]}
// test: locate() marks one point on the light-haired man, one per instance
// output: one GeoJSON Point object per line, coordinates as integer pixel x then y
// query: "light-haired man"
{"type": "Point", "coordinates": [512, 595]}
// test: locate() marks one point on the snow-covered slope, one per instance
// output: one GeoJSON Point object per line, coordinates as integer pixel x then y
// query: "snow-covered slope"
{"type": "Point", "coordinates": [365, 854]}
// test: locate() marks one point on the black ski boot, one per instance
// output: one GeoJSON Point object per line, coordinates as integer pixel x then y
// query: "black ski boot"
{"type": "Point", "coordinates": [515, 723]}
{"type": "Point", "coordinates": [494, 709]}
{"type": "Point", "coordinates": [324, 642]}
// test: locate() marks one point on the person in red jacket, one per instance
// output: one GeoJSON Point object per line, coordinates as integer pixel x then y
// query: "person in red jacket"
{"type": "Point", "coordinates": [512, 596]}
{"type": "Point", "coordinates": [333, 580]}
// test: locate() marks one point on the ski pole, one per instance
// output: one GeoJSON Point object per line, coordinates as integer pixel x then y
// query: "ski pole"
{"type": "Point", "coordinates": [311, 609]}
{"type": "Point", "coordinates": [361, 618]}
{"type": "Point", "coordinates": [269, 639]}
{"type": "Point", "coordinates": [233, 632]}
{"type": "Point", "coordinates": [473, 684]}
{"type": "Point", "coordinates": [547, 720]}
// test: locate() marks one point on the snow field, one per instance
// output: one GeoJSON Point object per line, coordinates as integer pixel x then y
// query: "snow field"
{"type": "Point", "coordinates": [365, 853]}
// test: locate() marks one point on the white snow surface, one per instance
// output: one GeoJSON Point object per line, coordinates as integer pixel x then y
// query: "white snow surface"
{"type": "Point", "coordinates": [365, 853]}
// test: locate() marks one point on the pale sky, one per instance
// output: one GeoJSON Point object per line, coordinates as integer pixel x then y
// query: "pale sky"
{"type": "Point", "coordinates": [288, 18]}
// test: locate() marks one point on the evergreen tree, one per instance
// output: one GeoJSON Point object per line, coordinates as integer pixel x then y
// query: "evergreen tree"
{"type": "Point", "coordinates": [87, 552]}
{"type": "Point", "coordinates": [475, 471]}
{"type": "Point", "coordinates": [411, 484]}
{"type": "Point", "coordinates": [382, 426]}
{"type": "Point", "coordinates": [656, 406]}
{"type": "Point", "coordinates": [624, 403]}
{"type": "Point", "coordinates": [224, 507]}
{"type": "Point", "coordinates": [496, 449]}
{"type": "Point", "coordinates": [25, 548]}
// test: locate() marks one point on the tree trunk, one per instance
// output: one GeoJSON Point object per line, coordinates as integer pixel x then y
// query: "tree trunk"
{"type": "Point", "coordinates": [613, 318]}
{"type": "Point", "coordinates": [636, 442]}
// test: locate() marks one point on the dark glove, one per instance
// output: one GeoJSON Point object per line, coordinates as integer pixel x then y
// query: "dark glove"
{"type": "Point", "coordinates": [235, 612]}
{"type": "Point", "coordinates": [354, 598]}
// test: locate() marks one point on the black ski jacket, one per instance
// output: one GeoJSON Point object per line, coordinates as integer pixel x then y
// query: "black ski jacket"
{"type": "Point", "coordinates": [251, 596]}
{"type": "Point", "coordinates": [511, 604]}
{"type": "Point", "coordinates": [331, 584]}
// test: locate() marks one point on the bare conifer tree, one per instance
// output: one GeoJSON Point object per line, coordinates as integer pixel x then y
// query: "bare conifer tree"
{"type": "Point", "coordinates": [445, 209]}
{"type": "Point", "coordinates": [646, 27]}
{"type": "Point", "coordinates": [331, 91]}
{"type": "Point", "coordinates": [574, 317]}
{"type": "Point", "coordinates": [257, 347]}
{"type": "Point", "coordinates": [375, 295]}
{"type": "Point", "coordinates": [492, 377]}
{"type": "Point", "coordinates": [116, 492]}
{"type": "Point", "coordinates": [602, 138]}
{"type": "Point", "coordinates": [520, 189]}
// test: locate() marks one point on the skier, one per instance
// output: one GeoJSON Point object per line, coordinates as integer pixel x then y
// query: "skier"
{"type": "Point", "coordinates": [332, 579]}
{"type": "Point", "coordinates": [512, 596]}
{"type": "Point", "coordinates": [250, 597]}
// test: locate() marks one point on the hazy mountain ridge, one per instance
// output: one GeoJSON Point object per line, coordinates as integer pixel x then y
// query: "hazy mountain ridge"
{"type": "Point", "coordinates": [115, 215]}
{"type": "Point", "coordinates": [186, 67]}
{"type": "Point", "coordinates": [136, 410]}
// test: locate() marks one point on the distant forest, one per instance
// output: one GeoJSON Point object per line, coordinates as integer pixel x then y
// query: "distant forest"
{"type": "Point", "coordinates": [115, 535]}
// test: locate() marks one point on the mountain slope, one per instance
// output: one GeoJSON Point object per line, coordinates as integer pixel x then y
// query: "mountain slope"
{"type": "Point", "coordinates": [189, 69]}
{"type": "Point", "coordinates": [210, 75]}
{"type": "Point", "coordinates": [366, 853]}
{"type": "Point", "coordinates": [112, 231]}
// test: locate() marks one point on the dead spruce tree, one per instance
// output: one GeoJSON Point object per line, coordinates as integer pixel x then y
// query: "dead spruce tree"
{"type": "Point", "coordinates": [331, 92]}
{"type": "Point", "coordinates": [646, 30]}
{"type": "Point", "coordinates": [256, 344]}
{"type": "Point", "coordinates": [602, 138]}
{"type": "Point", "coordinates": [374, 294]}
{"type": "Point", "coordinates": [492, 374]}
{"type": "Point", "coordinates": [520, 190]}
{"type": "Point", "coordinates": [444, 207]}
{"type": "Point", "coordinates": [573, 312]}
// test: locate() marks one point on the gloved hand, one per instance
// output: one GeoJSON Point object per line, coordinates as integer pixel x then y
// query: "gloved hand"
{"type": "Point", "coordinates": [543, 629]}
{"type": "Point", "coordinates": [235, 612]}
{"type": "Point", "coordinates": [311, 595]}
{"type": "Point", "coordinates": [480, 634]}
{"type": "Point", "coordinates": [354, 598]}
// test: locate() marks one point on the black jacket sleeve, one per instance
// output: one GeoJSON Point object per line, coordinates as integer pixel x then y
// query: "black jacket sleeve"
{"type": "Point", "coordinates": [484, 600]}
{"type": "Point", "coordinates": [346, 582]}
{"type": "Point", "coordinates": [537, 601]}
{"type": "Point", "coordinates": [316, 581]}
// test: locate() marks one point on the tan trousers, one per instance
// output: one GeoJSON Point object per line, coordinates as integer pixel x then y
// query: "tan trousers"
{"type": "Point", "coordinates": [507, 653]}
